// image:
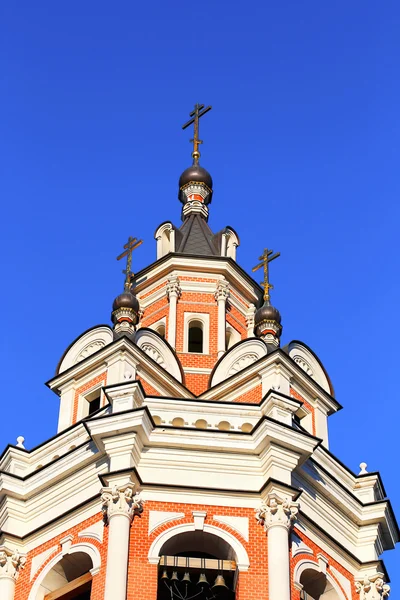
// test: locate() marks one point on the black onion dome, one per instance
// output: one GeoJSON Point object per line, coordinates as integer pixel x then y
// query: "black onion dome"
{"type": "Point", "coordinates": [267, 312]}
{"type": "Point", "coordinates": [197, 174]}
{"type": "Point", "coordinates": [126, 300]}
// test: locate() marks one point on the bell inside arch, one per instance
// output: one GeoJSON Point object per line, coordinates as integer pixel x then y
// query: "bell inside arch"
{"type": "Point", "coordinates": [203, 580]}
{"type": "Point", "coordinates": [220, 582]}
{"type": "Point", "coordinates": [186, 578]}
{"type": "Point", "coordinates": [164, 574]}
{"type": "Point", "coordinates": [174, 576]}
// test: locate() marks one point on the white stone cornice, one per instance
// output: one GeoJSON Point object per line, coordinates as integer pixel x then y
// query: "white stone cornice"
{"type": "Point", "coordinates": [277, 512]}
{"type": "Point", "coordinates": [222, 291]}
{"type": "Point", "coordinates": [11, 563]}
{"type": "Point", "coordinates": [120, 500]}
{"type": "Point", "coordinates": [372, 587]}
{"type": "Point", "coordinates": [174, 287]}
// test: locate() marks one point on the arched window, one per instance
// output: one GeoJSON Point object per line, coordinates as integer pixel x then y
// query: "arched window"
{"type": "Point", "coordinates": [316, 586]}
{"type": "Point", "coordinates": [70, 578]}
{"type": "Point", "coordinates": [231, 337]}
{"type": "Point", "coordinates": [160, 329]}
{"type": "Point", "coordinates": [195, 337]}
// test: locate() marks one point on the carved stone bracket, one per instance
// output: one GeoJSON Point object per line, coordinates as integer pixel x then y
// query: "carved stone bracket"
{"type": "Point", "coordinates": [11, 562]}
{"type": "Point", "coordinates": [120, 500]}
{"type": "Point", "coordinates": [277, 511]}
{"type": "Point", "coordinates": [222, 291]}
{"type": "Point", "coordinates": [372, 587]}
{"type": "Point", "coordinates": [174, 287]}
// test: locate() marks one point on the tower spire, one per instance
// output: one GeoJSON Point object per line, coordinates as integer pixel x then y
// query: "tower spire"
{"type": "Point", "coordinates": [195, 115]}
{"type": "Point", "coordinates": [125, 310]}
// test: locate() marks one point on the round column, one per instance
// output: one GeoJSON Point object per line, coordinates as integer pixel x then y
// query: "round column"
{"type": "Point", "coordinates": [221, 296]}
{"type": "Point", "coordinates": [119, 507]}
{"type": "Point", "coordinates": [173, 293]}
{"type": "Point", "coordinates": [277, 516]}
{"type": "Point", "coordinates": [10, 565]}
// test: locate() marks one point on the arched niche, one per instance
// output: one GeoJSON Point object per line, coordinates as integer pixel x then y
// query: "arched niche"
{"type": "Point", "coordinates": [238, 358]}
{"type": "Point", "coordinates": [165, 237]}
{"type": "Point", "coordinates": [86, 344]}
{"type": "Point", "coordinates": [317, 584]}
{"type": "Point", "coordinates": [303, 356]}
{"type": "Point", "coordinates": [159, 350]}
{"type": "Point", "coordinates": [78, 565]}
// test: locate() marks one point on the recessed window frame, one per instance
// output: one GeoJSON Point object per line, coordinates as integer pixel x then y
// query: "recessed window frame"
{"type": "Point", "coordinates": [204, 319]}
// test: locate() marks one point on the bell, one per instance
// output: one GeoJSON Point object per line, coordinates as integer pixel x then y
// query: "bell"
{"type": "Point", "coordinates": [186, 577]}
{"type": "Point", "coordinates": [174, 576]}
{"type": "Point", "coordinates": [202, 579]}
{"type": "Point", "coordinates": [220, 582]}
{"type": "Point", "coordinates": [165, 574]}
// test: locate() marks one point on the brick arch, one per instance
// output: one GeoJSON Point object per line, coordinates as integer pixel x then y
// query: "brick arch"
{"type": "Point", "coordinates": [306, 563]}
{"type": "Point", "coordinates": [86, 547]}
{"type": "Point", "coordinates": [242, 558]}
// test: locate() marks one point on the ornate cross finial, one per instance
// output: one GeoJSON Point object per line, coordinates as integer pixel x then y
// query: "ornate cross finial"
{"type": "Point", "coordinates": [130, 246]}
{"type": "Point", "coordinates": [198, 112]}
{"type": "Point", "coordinates": [265, 259]}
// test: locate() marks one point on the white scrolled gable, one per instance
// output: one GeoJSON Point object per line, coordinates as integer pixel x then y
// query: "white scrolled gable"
{"type": "Point", "coordinates": [90, 342]}
{"type": "Point", "coordinates": [155, 347]}
{"type": "Point", "coordinates": [310, 364]}
{"type": "Point", "coordinates": [238, 358]}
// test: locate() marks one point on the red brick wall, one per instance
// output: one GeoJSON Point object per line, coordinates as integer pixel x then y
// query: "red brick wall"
{"type": "Point", "coordinates": [253, 396]}
{"type": "Point", "coordinates": [85, 388]}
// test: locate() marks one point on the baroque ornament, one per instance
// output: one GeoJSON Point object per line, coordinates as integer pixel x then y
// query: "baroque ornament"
{"type": "Point", "coordinates": [373, 587]}
{"type": "Point", "coordinates": [277, 511]}
{"type": "Point", "coordinates": [10, 563]}
{"type": "Point", "coordinates": [120, 500]}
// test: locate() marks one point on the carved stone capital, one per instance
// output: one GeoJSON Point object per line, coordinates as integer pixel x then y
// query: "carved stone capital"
{"type": "Point", "coordinates": [174, 287]}
{"type": "Point", "coordinates": [277, 512]}
{"type": "Point", "coordinates": [120, 500]}
{"type": "Point", "coordinates": [11, 563]}
{"type": "Point", "coordinates": [222, 291]}
{"type": "Point", "coordinates": [372, 587]}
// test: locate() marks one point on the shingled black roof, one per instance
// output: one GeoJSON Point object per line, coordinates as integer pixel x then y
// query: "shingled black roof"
{"type": "Point", "coordinates": [197, 238]}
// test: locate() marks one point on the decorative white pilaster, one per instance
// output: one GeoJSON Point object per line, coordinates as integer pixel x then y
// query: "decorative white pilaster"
{"type": "Point", "coordinates": [120, 504]}
{"type": "Point", "coordinates": [251, 311]}
{"type": "Point", "coordinates": [372, 587]}
{"type": "Point", "coordinates": [221, 295]}
{"type": "Point", "coordinates": [173, 292]}
{"type": "Point", "coordinates": [10, 565]}
{"type": "Point", "coordinates": [277, 516]}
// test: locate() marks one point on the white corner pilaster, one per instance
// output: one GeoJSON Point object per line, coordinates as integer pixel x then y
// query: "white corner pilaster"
{"type": "Point", "coordinates": [221, 295]}
{"type": "Point", "coordinates": [173, 292]}
{"type": "Point", "coordinates": [120, 504]}
{"type": "Point", "coordinates": [277, 515]}
{"type": "Point", "coordinates": [10, 565]}
{"type": "Point", "coordinates": [372, 587]}
{"type": "Point", "coordinates": [251, 311]}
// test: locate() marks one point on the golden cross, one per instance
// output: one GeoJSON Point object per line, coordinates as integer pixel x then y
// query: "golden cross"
{"type": "Point", "coordinates": [129, 248]}
{"type": "Point", "coordinates": [266, 258]}
{"type": "Point", "coordinates": [196, 114]}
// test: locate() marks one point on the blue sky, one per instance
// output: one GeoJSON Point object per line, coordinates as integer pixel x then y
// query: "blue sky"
{"type": "Point", "coordinates": [303, 146]}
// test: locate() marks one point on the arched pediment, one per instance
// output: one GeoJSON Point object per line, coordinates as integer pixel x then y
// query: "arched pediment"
{"type": "Point", "coordinates": [86, 344]}
{"type": "Point", "coordinates": [303, 356]}
{"type": "Point", "coordinates": [159, 350]}
{"type": "Point", "coordinates": [238, 358]}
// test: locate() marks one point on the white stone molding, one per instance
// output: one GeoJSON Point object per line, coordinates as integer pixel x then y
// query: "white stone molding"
{"type": "Point", "coordinates": [94, 531]}
{"type": "Point", "coordinates": [309, 364]}
{"type": "Point", "coordinates": [155, 347]}
{"type": "Point", "coordinates": [372, 587]}
{"type": "Point", "coordinates": [174, 292]}
{"type": "Point", "coordinates": [66, 544]}
{"type": "Point", "coordinates": [239, 358]}
{"type": "Point", "coordinates": [241, 556]}
{"type": "Point", "coordinates": [87, 344]}
{"type": "Point", "coordinates": [277, 511]}
{"type": "Point", "coordinates": [344, 582]}
{"type": "Point", "coordinates": [120, 500]}
{"type": "Point", "coordinates": [85, 547]}
{"type": "Point", "coordinates": [174, 287]}
{"type": "Point", "coordinates": [40, 559]}
{"type": "Point", "coordinates": [251, 311]}
{"type": "Point", "coordinates": [298, 546]}
{"type": "Point", "coordinates": [221, 295]}
{"type": "Point", "coordinates": [308, 564]}
{"type": "Point", "coordinates": [160, 517]}
{"type": "Point", "coordinates": [11, 562]}
{"type": "Point", "coordinates": [238, 524]}
{"type": "Point", "coordinates": [199, 516]}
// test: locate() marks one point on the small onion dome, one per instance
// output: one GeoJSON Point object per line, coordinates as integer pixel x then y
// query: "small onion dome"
{"type": "Point", "coordinates": [126, 300]}
{"type": "Point", "coordinates": [195, 174]}
{"type": "Point", "coordinates": [267, 312]}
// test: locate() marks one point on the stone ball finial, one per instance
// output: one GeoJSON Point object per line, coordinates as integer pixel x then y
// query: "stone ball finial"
{"type": "Point", "coordinates": [363, 467]}
{"type": "Point", "coordinates": [20, 442]}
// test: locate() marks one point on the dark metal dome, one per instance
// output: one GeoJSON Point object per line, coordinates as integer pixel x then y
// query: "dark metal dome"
{"type": "Point", "coordinates": [195, 173]}
{"type": "Point", "coordinates": [126, 300]}
{"type": "Point", "coordinates": [267, 313]}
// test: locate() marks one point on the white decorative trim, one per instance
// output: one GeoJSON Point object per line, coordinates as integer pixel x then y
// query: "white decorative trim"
{"type": "Point", "coordinates": [309, 364]}
{"type": "Point", "coordinates": [244, 361]}
{"type": "Point", "coordinates": [344, 582]}
{"type": "Point", "coordinates": [11, 562]}
{"type": "Point", "coordinates": [121, 500]}
{"type": "Point", "coordinates": [298, 546]}
{"type": "Point", "coordinates": [276, 511]}
{"type": "Point", "coordinates": [159, 517]}
{"type": "Point", "coordinates": [40, 559]}
{"type": "Point", "coordinates": [94, 531]}
{"type": "Point", "coordinates": [372, 587]}
{"type": "Point", "coordinates": [199, 517]}
{"type": "Point", "coordinates": [239, 524]}
{"type": "Point", "coordinates": [239, 358]}
{"type": "Point", "coordinates": [204, 319]}
{"type": "Point", "coordinates": [66, 544]}
{"type": "Point", "coordinates": [155, 347]}
{"type": "Point", "coordinates": [88, 344]}
{"type": "Point", "coordinates": [85, 547]}
{"type": "Point", "coordinates": [242, 558]}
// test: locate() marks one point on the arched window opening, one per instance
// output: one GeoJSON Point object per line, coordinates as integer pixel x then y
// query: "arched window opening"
{"type": "Point", "coordinates": [69, 579]}
{"type": "Point", "coordinates": [195, 337]}
{"type": "Point", "coordinates": [316, 586]}
{"type": "Point", "coordinates": [160, 329]}
{"type": "Point", "coordinates": [191, 563]}
{"type": "Point", "coordinates": [232, 337]}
